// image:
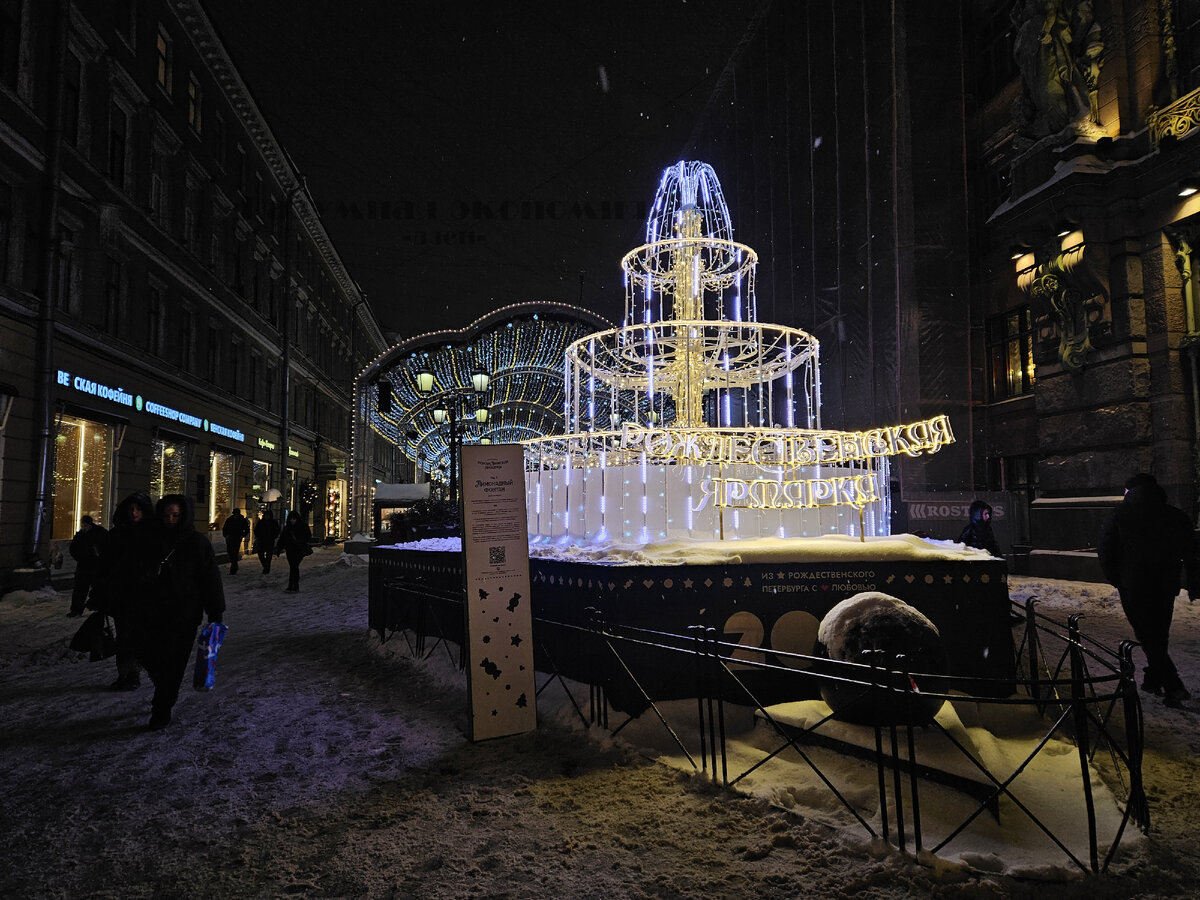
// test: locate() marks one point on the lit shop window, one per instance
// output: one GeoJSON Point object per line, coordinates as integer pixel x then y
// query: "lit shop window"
{"type": "Point", "coordinates": [334, 509]}
{"type": "Point", "coordinates": [1010, 354]}
{"type": "Point", "coordinates": [222, 471]}
{"type": "Point", "coordinates": [169, 474]}
{"type": "Point", "coordinates": [261, 478]}
{"type": "Point", "coordinates": [81, 464]}
{"type": "Point", "coordinates": [289, 488]}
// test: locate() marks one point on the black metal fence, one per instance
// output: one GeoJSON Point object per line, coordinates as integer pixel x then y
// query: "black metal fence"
{"type": "Point", "coordinates": [1072, 696]}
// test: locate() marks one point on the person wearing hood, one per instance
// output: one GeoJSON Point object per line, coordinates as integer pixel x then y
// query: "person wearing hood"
{"type": "Point", "coordinates": [187, 586]}
{"type": "Point", "coordinates": [1144, 544]}
{"type": "Point", "coordinates": [125, 571]}
{"type": "Point", "coordinates": [293, 541]}
{"type": "Point", "coordinates": [978, 533]}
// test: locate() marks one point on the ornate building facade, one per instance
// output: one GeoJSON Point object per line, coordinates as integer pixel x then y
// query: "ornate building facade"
{"type": "Point", "coordinates": [1085, 315]}
{"type": "Point", "coordinates": [982, 208]}
{"type": "Point", "coordinates": [174, 316]}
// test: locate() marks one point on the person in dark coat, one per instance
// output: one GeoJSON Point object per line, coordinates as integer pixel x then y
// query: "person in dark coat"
{"type": "Point", "coordinates": [266, 533]}
{"type": "Point", "coordinates": [293, 541]}
{"type": "Point", "coordinates": [235, 530]}
{"type": "Point", "coordinates": [86, 547]}
{"type": "Point", "coordinates": [978, 532]}
{"type": "Point", "coordinates": [1144, 544]}
{"type": "Point", "coordinates": [125, 571]}
{"type": "Point", "coordinates": [187, 587]}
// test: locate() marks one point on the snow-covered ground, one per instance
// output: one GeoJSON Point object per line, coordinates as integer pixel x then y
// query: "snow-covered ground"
{"type": "Point", "coordinates": [328, 764]}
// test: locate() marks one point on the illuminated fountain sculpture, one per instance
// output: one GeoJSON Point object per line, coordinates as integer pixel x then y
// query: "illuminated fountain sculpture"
{"type": "Point", "coordinates": [695, 421]}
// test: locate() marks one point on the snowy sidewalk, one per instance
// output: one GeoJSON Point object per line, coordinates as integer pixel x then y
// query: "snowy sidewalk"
{"type": "Point", "coordinates": [326, 765]}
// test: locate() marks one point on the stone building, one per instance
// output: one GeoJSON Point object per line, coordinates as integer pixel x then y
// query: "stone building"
{"type": "Point", "coordinates": [173, 315]}
{"type": "Point", "coordinates": [979, 209]}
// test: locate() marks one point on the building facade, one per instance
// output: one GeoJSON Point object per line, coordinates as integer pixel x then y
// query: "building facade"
{"type": "Point", "coordinates": [173, 315]}
{"type": "Point", "coordinates": [982, 209]}
{"type": "Point", "coordinates": [1084, 313]}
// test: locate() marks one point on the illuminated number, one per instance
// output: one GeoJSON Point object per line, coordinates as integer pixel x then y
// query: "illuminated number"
{"type": "Point", "coordinates": [747, 628]}
{"type": "Point", "coordinates": [795, 632]}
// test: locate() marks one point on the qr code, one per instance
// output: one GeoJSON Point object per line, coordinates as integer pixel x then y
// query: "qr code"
{"type": "Point", "coordinates": [496, 556]}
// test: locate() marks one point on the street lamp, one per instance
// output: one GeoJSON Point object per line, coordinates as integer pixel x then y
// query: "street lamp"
{"type": "Point", "coordinates": [451, 402]}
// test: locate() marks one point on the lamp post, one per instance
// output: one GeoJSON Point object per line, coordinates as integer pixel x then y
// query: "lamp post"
{"type": "Point", "coordinates": [447, 412]}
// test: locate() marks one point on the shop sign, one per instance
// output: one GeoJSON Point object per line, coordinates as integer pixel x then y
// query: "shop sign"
{"type": "Point", "coordinates": [122, 397]}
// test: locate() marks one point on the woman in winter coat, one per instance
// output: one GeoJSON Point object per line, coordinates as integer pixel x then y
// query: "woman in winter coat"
{"type": "Point", "coordinates": [978, 532]}
{"type": "Point", "coordinates": [125, 571]}
{"type": "Point", "coordinates": [186, 587]}
{"type": "Point", "coordinates": [293, 541]}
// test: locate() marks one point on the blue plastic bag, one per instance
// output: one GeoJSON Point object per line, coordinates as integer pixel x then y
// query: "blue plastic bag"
{"type": "Point", "coordinates": [204, 675]}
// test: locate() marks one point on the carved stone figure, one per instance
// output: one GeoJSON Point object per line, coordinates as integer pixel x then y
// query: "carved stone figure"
{"type": "Point", "coordinates": [1059, 50]}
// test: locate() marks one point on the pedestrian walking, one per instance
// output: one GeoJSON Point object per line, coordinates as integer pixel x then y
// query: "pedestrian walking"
{"type": "Point", "coordinates": [266, 533]}
{"type": "Point", "coordinates": [125, 570]}
{"type": "Point", "coordinates": [186, 587]}
{"type": "Point", "coordinates": [293, 541]}
{"type": "Point", "coordinates": [1144, 545]}
{"type": "Point", "coordinates": [235, 530]}
{"type": "Point", "coordinates": [978, 533]}
{"type": "Point", "coordinates": [86, 547]}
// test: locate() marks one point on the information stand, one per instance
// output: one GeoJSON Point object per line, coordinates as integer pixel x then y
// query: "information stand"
{"type": "Point", "coordinates": [501, 684]}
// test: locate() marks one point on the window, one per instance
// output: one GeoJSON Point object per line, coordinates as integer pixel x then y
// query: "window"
{"type": "Point", "coordinates": [190, 235]}
{"type": "Point", "coordinates": [238, 279]}
{"type": "Point", "coordinates": [113, 293]}
{"type": "Point", "coordinates": [118, 142]}
{"type": "Point", "coordinates": [126, 19]}
{"type": "Point", "coordinates": [269, 387]}
{"type": "Point", "coordinates": [10, 44]}
{"type": "Point", "coordinates": [256, 196]}
{"type": "Point", "coordinates": [64, 273]}
{"type": "Point", "coordinates": [1013, 473]}
{"type": "Point", "coordinates": [72, 89]}
{"type": "Point", "coordinates": [5, 228]}
{"type": "Point", "coordinates": [159, 197]}
{"type": "Point", "coordinates": [235, 367]}
{"type": "Point", "coordinates": [220, 140]}
{"type": "Point", "coordinates": [165, 61]}
{"type": "Point", "coordinates": [213, 353]}
{"type": "Point", "coordinates": [220, 486]}
{"type": "Point", "coordinates": [261, 475]}
{"type": "Point", "coordinates": [1010, 354]}
{"type": "Point", "coordinates": [187, 330]}
{"type": "Point", "coordinates": [193, 108]}
{"type": "Point", "coordinates": [81, 464]}
{"type": "Point", "coordinates": [169, 472]}
{"type": "Point", "coordinates": [154, 319]}
{"type": "Point", "coordinates": [252, 392]}
{"type": "Point", "coordinates": [239, 169]}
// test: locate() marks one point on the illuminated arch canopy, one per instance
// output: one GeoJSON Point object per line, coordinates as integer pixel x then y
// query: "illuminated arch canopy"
{"type": "Point", "coordinates": [521, 349]}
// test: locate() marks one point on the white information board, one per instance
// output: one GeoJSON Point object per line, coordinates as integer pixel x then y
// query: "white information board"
{"type": "Point", "coordinates": [500, 677]}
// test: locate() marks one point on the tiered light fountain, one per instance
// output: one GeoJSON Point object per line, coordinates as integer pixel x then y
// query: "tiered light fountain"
{"type": "Point", "coordinates": [695, 421]}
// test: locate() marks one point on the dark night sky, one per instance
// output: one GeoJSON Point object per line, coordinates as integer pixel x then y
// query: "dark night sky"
{"type": "Point", "coordinates": [467, 156]}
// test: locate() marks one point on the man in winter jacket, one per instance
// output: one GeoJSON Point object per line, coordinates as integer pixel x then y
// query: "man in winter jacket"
{"type": "Point", "coordinates": [186, 586]}
{"type": "Point", "coordinates": [235, 530]}
{"type": "Point", "coordinates": [266, 533]}
{"type": "Point", "coordinates": [1143, 545]}
{"type": "Point", "coordinates": [85, 549]}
